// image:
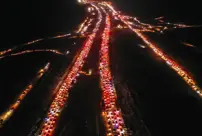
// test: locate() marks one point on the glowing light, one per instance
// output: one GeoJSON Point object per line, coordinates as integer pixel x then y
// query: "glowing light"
{"type": "Point", "coordinates": [159, 18]}
{"type": "Point", "coordinates": [67, 52]}
{"type": "Point", "coordinates": [31, 51]}
{"type": "Point", "coordinates": [111, 114]}
{"type": "Point", "coordinates": [61, 97]}
{"type": "Point", "coordinates": [172, 64]}
{"type": "Point", "coordinates": [10, 111]}
{"type": "Point", "coordinates": [60, 36]}
{"type": "Point", "coordinates": [187, 44]}
{"type": "Point", "coordinates": [141, 46]}
{"type": "Point", "coordinates": [82, 25]}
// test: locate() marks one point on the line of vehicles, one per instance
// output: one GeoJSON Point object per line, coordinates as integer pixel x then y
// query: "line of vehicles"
{"type": "Point", "coordinates": [13, 107]}
{"type": "Point", "coordinates": [111, 114]}
{"type": "Point", "coordinates": [58, 103]}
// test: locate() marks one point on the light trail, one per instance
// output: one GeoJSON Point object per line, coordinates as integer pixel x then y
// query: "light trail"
{"type": "Point", "coordinates": [32, 42]}
{"type": "Point", "coordinates": [49, 124]}
{"type": "Point", "coordinates": [121, 27]}
{"type": "Point", "coordinates": [159, 18]}
{"type": "Point", "coordinates": [141, 46]}
{"type": "Point", "coordinates": [111, 114]}
{"type": "Point", "coordinates": [82, 25]}
{"type": "Point", "coordinates": [60, 36]}
{"type": "Point", "coordinates": [85, 28]}
{"type": "Point", "coordinates": [82, 1]}
{"type": "Point", "coordinates": [139, 25]}
{"type": "Point", "coordinates": [144, 27]}
{"type": "Point", "coordinates": [80, 30]}
{"type": "Point", "coordinates": [12, 49]}
{"type": "Point", "coordinates": [171, 63]}
{"type": "Point", "coordinates": [187, 44]}
{"type": "Point", "coordinates": [13, 107]}
{"type": "Point", "coordinates": [32, 51]}
{"type": "Point", "coordinates": [85, 25]}
{"type": "Point", "coordinates": [89, 73]}
{"type": "Point", "coordinates": [157, 28]}
{"type": "Point", "coordinates": [4, 52]}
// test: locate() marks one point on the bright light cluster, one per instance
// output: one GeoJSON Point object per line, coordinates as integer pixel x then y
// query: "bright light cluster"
{"type": "Point", "coordinates": [42, 50]}
{"type": "Point", "coordinates": [82, 25]}
{"type": "Point", "coordinates": [171, 63]}
{"type": "Point", "coordinates": [28, 43]}
{"type": "Point", "coordinates": [5, 52]}
{"type": "Point", "coordinates": [176, 67]}
{"type": "Point", "coordinates": [99, 18]}
{"type": "Point", "coordinates": [6, 115]}
{"type": "Point", "coordinates": [111, 114]}
{"type": "Point", "coordinates": [89, 73]}
{"type": "Point", "coordinates": [34, 41]}
{"type": "Point", "coordinates": [82, 1]}
{"type": "Point", "coordinates": [121, 27]}
{"type": "Point", "coordinates": [144, 27]}
{"type": "Point", "coordinates": [85, 28]}
{"type": "Point", "coordinates": [32, 51]}
{"type": "Point", "coordinates": [62, 95]}
{"type": "Point", "coordinates": [90, 9]}
{"type": "Point", "coordinates": [59, 101]}
{"type": "Point", "coordinates": [60, 36]}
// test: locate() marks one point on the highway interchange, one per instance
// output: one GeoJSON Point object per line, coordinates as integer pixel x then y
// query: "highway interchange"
{"type": "Point", "coordinates": [90, 77]}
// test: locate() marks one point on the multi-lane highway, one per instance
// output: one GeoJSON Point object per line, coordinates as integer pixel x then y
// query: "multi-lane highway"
{"type": "Point", "coordinates": [102, 83]}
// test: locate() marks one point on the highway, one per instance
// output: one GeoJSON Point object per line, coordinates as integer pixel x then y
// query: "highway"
{"type": "Point", "coordinates": [164, 98]}
{"type": "Point", "coordinates": [13, 107]}
{"type": "Point", "coordinates": [111, 76]}
{"type": "Point", "coordinates": [35, 104]}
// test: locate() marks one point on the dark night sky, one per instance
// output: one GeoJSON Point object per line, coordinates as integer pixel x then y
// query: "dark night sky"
{"type": "Point", "coordinates": [180, 9]}
{"type": "Point", "coordinates": [24, 20]}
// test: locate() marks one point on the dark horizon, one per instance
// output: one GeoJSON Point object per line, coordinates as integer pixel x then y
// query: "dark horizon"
{"type": "Point", "coordinates": [28, 20]}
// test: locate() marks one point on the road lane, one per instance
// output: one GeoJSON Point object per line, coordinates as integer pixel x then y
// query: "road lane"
{"type": "Point", "coordinates": [164, 99]}
{"type": "Point", "coordinates": [13, 107]}
{"type": "Point", "coordinates": [49, 123]}
{"type": "Point", "coordinates": [111, 113]}
{"type": "Point", "coordinates": [35, 104]}
{"type": "Point", "coordinates": [184, 74]}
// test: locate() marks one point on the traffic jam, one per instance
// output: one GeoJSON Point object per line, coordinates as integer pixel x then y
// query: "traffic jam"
{"type": "Point", "coordinates": [171, 63]}
{"type": "Point", "coordinates": [112, 115]}
{"type": "Point", "coordinates": [176, 67]}
{"type": "Point", "coordinates": [56, 107]}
